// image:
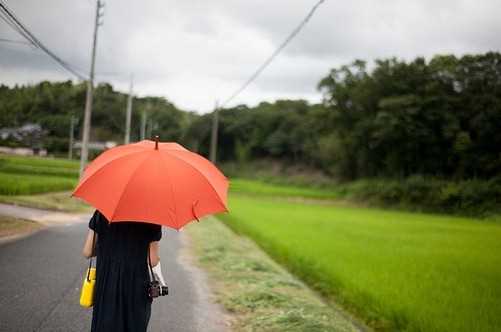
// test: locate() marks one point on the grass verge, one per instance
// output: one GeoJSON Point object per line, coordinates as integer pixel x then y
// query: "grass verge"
{"type": "Point", "coordinates": [58, 201]}
{"type": "Point", "coordinates": [12, 226]}
{"type": "Point", "coordinates": [398, 270]}
{"type": "Point", "coordinates": [259, 293]}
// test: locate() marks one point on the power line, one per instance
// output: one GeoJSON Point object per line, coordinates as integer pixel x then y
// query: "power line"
{"type": "Point", "coordinates": [9, 22]}
{"type": "Point", "coordinates": [16, 24]}
{"type": "Point", "coordinates": [261, 68]}
{"type": "Point", "coordinates": [12, 41]}
{"type": "Point", "coordinates": [20, 28]}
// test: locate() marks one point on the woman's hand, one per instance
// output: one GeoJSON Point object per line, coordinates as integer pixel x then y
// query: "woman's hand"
{"type": "Point", "coordinates": [87, 249]}
{"type": "Point", "coordinates": [154, 253]}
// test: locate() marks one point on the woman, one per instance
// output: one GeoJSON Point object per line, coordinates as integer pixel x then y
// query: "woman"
{"type": "Point", "coordinates": [121, 301]}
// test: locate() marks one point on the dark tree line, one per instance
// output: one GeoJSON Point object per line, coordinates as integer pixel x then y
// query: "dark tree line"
{"type": "Point", "coordinates": [52, 105]}
{"type": "Point", "coordinates": [440, 117]}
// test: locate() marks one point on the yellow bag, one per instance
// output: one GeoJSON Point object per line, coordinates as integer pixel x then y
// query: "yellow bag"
{"type": "Point", "coordinates": [87, 294]}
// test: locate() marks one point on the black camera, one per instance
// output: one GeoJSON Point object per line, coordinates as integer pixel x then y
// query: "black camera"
{"type": "Point", "coordinates": [155, 289]}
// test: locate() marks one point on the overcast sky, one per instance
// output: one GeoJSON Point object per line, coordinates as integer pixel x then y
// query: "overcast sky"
{"type": "Point", "coordinates": [194, 52]}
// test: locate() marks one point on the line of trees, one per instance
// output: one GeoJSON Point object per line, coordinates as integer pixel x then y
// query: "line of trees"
{"type": "Point", "coordinates": [53, 104]}
{"type": "Point", "coordinates": [440, 117]}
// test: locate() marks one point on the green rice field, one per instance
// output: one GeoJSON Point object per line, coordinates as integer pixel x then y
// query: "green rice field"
{"type": "Point", "coordinates": [33, 175]}
{"type": "Point", "coordinates": [254, 187]}
{"type": "Point", "coordinates": [397, 270]}
{"type": "Point", "coordinates": [39, 161]}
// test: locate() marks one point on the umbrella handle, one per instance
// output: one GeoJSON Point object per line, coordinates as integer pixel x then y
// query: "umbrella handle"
{"type": "Point", "coordinates": [193, 211]}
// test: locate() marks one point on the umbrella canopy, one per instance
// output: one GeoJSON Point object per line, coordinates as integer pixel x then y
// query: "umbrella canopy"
{"type": "Point", "coordinates": [160, 183]}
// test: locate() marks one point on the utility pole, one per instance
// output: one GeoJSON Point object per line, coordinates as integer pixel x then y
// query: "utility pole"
{"type": "Point", "coordinates": [215, 127]}
{"type": "Point", "coordinates": [149, 128]}
{"type": "Point", "coordinates": [90, 86]}
{"type": "Point", "coordinates": [143, 121]}
{"type": "Point", "coordinates": [73, 120]}
{"type": "Point", "coordinates": [128, 114]}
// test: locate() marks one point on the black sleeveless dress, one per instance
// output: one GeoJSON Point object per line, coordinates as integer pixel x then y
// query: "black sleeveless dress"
{"type": "Point", "coordinates": [121, 302]}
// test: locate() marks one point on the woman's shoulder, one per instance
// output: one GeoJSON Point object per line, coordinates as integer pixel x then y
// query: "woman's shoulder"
{"type": "Point", "coordinates": [156, 232]}
{"type": "Point", "coordinates": [97, 221]}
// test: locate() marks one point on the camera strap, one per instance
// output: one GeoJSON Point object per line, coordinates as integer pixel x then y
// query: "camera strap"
{"type": "Point", "coordinates": [92, 253]}
{"type": "Point", "coordinates": [149, 264]}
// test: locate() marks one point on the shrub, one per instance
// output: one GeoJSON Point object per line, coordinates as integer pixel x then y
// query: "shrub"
{"type": "Point", "coordinates": [470, 197]}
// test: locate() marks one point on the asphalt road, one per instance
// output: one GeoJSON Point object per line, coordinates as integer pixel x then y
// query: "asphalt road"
{"type": "Point", "coordinates": [41, 276]}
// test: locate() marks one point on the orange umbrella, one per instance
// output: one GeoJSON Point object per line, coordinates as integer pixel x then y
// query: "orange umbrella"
{"type": "Point", "coordinates": [160, 183]}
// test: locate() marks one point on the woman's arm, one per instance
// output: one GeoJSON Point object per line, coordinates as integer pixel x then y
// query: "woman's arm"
{"type": "Point", "coordinates": [154, 253]}
{"type": "Point", "coordinates": [87, 249]}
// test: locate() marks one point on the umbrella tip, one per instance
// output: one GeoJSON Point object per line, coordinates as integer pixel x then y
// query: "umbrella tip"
{"type": "Point", "coordinates": [156, 142]}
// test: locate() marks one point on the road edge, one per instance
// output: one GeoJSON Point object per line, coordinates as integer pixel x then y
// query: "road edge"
{"type": "Point", "coordinates": [209, 314]}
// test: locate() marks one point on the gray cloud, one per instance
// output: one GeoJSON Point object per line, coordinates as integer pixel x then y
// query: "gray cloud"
{"type": "Point", "coordinates": [195, 51]}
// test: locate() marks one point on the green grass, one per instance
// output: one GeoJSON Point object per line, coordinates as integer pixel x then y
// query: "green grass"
{"type": "Point", "coordinates": [36, 170]}
{"type": "Point", "coordinates": [34, 175]}
{"type": "Point", "coordinates": [38, 182]}
{"type": "Point", "coordinates": [23, 184]}
{"type": "Point", "coordinates": [398, 270]}
{"type": "Point", "coordinates": [258, 293]}
{"type": "Point", "coordinates": [261, 188]}
{"type": "Point", "coordinates": [39, 162]}
{"type": "Point", "coordinates": [39, 166]}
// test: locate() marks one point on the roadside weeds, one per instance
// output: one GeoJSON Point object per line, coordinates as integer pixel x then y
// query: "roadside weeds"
{"type": "Point", "coordinates": [12, 228]}
{"type": "Point", "coordinates": [259, 294]}
{"type": "Point", "coordinates": [57, 201]}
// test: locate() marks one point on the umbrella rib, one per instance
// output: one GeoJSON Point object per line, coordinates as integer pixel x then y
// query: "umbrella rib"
{"type": "Point", "coordinates": [127, 184]}
{"type": "Point", "coordinates": [203, 176]}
